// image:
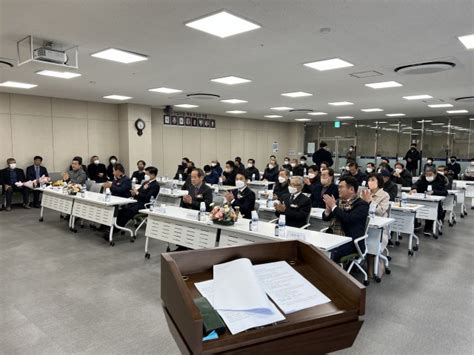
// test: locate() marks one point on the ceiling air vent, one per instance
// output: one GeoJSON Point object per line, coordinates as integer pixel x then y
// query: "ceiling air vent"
{"type": "Point", "coordinates": [465, 99]}
{"type": "Point", "coordinates": [424, 68]}
{"type": "Point", "coordinates": [301, 110]}
{"type": "Point", "coordinates": [366, 74]}
{"type": "Point", "coordinates": [203, 96]}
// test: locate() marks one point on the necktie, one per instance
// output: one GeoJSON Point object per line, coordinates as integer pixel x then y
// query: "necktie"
{"type": "Point", "coordinates": [37, 172]}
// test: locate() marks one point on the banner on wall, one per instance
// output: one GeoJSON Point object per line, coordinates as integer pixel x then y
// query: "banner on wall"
{"type": "Point", "coordinates": [275, 147]}
{"type": "Point", "coordinates": [189, 119]}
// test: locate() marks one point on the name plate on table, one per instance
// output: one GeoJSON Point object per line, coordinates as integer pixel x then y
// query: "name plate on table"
{"type": "Point", "coordinates": [295, 234]}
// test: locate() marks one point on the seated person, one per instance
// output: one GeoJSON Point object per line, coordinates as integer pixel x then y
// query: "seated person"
{"type": "Point", "coordinates": [377, 196]}
{"type": "Point", "coordinates": [110, 168]}
{"type": "Point", "coordinates": [443, 171]}
{"type": "Point", "coordinates": [150, 188]}
{"type": "Point", "coordinates": [198, 192]}
{"type": "Point", "coordinates": [97, 171]}
{"type": "Point", "coordinates": [139, 175]}
{"type": "Point", "coordinates": [76, 173]}
{"type": "Point", "coordinates": [121, 185]}
{"type": "Point", "coordinates": [34, 173]}
{"type": "Point", "coordinates": [271, 171]}
{"type": "Point", "coordinates": [228, 176]}
{"type": "Point", "coordinates": [243, 197]}
{"type": "Point", "coordinates": [385, 164]}
{"type": "Point", "coordinates": [295, 206]}
{"type": "Point", "coordinates": [182, 169]}
{"type": "Point", "coordinates": [281, 186]}
{"type": "Point", "coordinates": [286, 164]}
{"type": "Point", "coordinates": [211, 175]}
{"type": "Point", "coordinates": [324, 166]}
{"type": "Point", "coordinates": [469, 172]}
{"type": "Point", "coordinates": [388, 185]}
{"type": "Point", "coordinates": [429, 164]}
{"type": "Point", "coordinates": [454, 168]}
{"type": "Point", "coordinates": [312, 180]}
{"type": "Point", "coordinates": [369, 168]}
{"type": "Point", "coordinates": [326, 187]}
{"type": "Point", "coordinates": [438, 188]}
{"type": "Point", "coordinates": [239, 167]}
{"type": "Point", "coordinates": [348, 216]}
{"type": "Point", "coordinates": [252, 173]}
{"type": "Point", "coordinates": [354, 171]}
{"type": "Point", "coordinates": [304, 165]}
{"type": "Point", "coordinates": [216, 166]}
{"type": "Point", "coordinates": [9, 177]}
{"type": "Point", "coordinates": [296, 168]}
{"type": "Point", "coordinates": [401, 176]}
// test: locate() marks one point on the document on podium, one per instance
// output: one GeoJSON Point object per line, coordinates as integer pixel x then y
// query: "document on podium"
{"type": "Point", "coordinates": [239, 321]}
{"type": "Point", "coordinates": [288, 288]}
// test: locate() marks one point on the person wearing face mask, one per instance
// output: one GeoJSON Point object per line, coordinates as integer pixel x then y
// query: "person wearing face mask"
{"type": "Point", "coordinates": [198, 191]}
{"type": "Point", "coordinates": [295, 205]}
{"type": "Point", "coordinates": [369, 168]}
{"type": "Point", "coordinates": [322, 155]}
{"type": "Point", "coordinates": [228, 177]}
{"type": "Point", "coordinates": [110, 168]}
{"type": "Point", "coordinates": [286, 164]}
{"type": "Point", "coordinates": [211, 175]}
{"type": "Point", "coordinates": [354, 171]}
{"type": "Point", "coordinates": [251, 172]}
{"type": "Point", "coordinates": [438, 188]}
{"type": "Point", "coordinates": [381, 200]}
{"type": "Point", "coordinates": [401, 176]}
{"type": "Point", "coordinates": [10, 177]}
{"type": "Point", "coordinates": [304, 165]}
{"type": "Point", "coordinates": [324, 166]}
{"type": "Point", "coordinates": [216, 166]}
{"type": "Point", "coordinates": [311, 180]}
{"type": "Point", "coordinates": [443, 171]}
{"type": "Point", "coordinates": [243, 197]}
{"type": "Point", "coordinates": [296, 168]}
{"type": "Point", "coordinates": [351, 155]}
{"type": "Point", "coordinates": [239, 167]}
{"type": "Point", "coordinates": [469, 172]}
{"type": "Point", "coordinates": [281, 186]}
{"type": "Point", "coordinates": [388, 185]}
{"type": "Point", "coordinates": [412, 158]}
{"type": "Point", "coordinates": [454, 168]}
{"type": "Point", "coordinates": [429, 164]}
{"type": "Point", "coordinates": [385, 164]}
{"type": "Point", "coordinates": [182, 169]}
{"type": "Point", "coordinates": [325, 187]}
{"type": "Point", "coordinates": [150, 188]}
{"type": "Point", "coordinates": [34, 173]}
{"type": "Point", "coordinates": [97, 171]}
{"type": "Point", "coordinates": [271, 171]}
{"type": "Point", "coordinates": [121, 185]}
{"type": "Point", "coordinates": [139, 174]}
{"type": "Point", "coordinates": [76, 173]}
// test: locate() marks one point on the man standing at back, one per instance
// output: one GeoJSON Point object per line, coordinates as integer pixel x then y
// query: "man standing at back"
{"type": "Point", "coordinates": [322, 155]}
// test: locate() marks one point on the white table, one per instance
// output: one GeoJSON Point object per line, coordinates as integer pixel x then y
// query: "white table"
{"type": "Point", "coordinates": [430, 209]}
{"type": "Point", "coordinates": [55, 199]}
{"type": "Point", "coordinates": [171, 198]}
{"type": "Point", "coordinates": [93, 207]}
{"type": "Point", "coordinates": [374, 242]}
{"type": "Point", "coordinates": [258, 185]}
{"type": "Point", "coordinates": [316, 218]}
{"type": "Point", "coordinates": [468, 191]}
{"type": "Point", "coordinates": [405, 223]}
{"type": "Point", "coordinates": [222, 188]}
{"type": "Point", "coordinates": [164, 181]}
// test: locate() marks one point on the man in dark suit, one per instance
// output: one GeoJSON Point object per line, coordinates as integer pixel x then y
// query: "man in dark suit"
{"type": "Point", "coordinates": [348, 216]}
{"type": "Point", "coordinates": [295, 206]}
{"type": "Point", "coordinates": [34, 173]}
{"type": "Point", "coordinates": [182, 169]}
{"type": "Point", "coordinates": [121, 185]}
{"type": "Point", "coordinates": [198, 192]}
{"type": "Point", "coordinates": [139, 175]}
{"type": "Point", "coordinates": [252, 172]}
{"type": "Point", "coordinates": [322, 155]}
{"type": "Point", "coordinates": [150, 188]}
{"type": "Point", "coordinates": [355, 172]}
{"type": "Point", "coordinates": [96, 170]}
{"type": "Point", "coordinates": [296, 168]}
{"type": "Point", "coordinates": [240, 168]}
{"type": "Point", "coordinates": [402, 176]}
{"type": "Point", "coordinates": [229, 173]}
{"type": "Point", "coordinates": [326, 187]}
{"type": "Point", "coordinates": [454, 169]}
{"type": "Point", "coordinates": [9, 178]}
{"type": "Point", "coordinates": [243, 197]}
{"type": "Point", "coordinates": [211, 175]}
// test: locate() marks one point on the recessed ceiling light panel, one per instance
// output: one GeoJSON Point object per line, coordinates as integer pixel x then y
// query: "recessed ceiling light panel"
{"type": "Point", "coordinates": [234, 101]}
{"type": "Point", "coordinates": [317, 113]}
{"type": "Point", "coordinates": [384, 85]}
{"type": "Point", "coordinates": [117, 97]}
{"type": "Point", "coordinates": [119, 55]}
{"type": "Point", "coordinates": [417, 97]}
{"type": "Point", "coordinates": [17, 85]}
{"type": "Point", "coordinates": [186, 106]}
{"type": "Point", "coordinates": [440, 105]}
{"type": "Point", "coordinates": [231, 80]}
{"type": "Point", "coordinates": [395, 114]}
{"type": "Point", "coordinates": [163, 90]}
{"type": "Point", "coordinates": [281, 108]}
{"type": "Point", "coordinates": [58, 74]}
{"type": "Point", "coordinates": [329, 64]}
{"type": "Point", "coordinates": [467, 41]}
{"type": "Point", "coordinates": [371, 110]}
{"type": "Point", "coordinates": [297, 94]}
{"type": "Point", "coordinates": [341, 103]}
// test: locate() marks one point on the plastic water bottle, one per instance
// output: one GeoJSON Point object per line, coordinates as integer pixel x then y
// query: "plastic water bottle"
{"type": "Point", "coordinates": [282, 225]}
{"type": "Point", "coordinates": [180, 177]}
{"type": "Point", "coordinates": [173, 187]}
{"type": "Point", "coordinates": [152, 203]}
{"type": "Point", "coordinates": [270, 200]}
{"type": "Point", "coordinates": [254, 222]}
{"type": "Point", "coordinates": [304, 171]}
{"type": "Point", "coordinates": [291, 173]}
{"type": "Point", "coordinates": [202, 211]}
{"type": "Point", "coordinates": [134, 183]}
{"type": "Point", "coordinates": [220, 182]}
{"type": "Point", "coordinates": [83, 190]}
{"type": "Point", "coordinates": [372, 209]}
{"type": "Point", "coordinates": [108, 195]}
{"type": "Point", "coordinates": [253, 177]}
{"type": "Point", "coordinates": [404, 199]}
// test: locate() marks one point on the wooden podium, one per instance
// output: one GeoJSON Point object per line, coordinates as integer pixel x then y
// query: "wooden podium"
{"type": "Point", "coordinates": [314, 330]}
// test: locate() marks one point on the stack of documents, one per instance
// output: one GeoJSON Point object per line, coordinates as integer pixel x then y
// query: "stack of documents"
{"type": "Point", "coordinates": [239, 293]}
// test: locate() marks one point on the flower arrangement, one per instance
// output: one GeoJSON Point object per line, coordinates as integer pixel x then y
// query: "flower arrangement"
{"type": "Point", "coordinates": [73, 189]}
{"type": "Point", "coordinates": [224, 215]}
{"type": "Point", "coordinates": [58, 183]}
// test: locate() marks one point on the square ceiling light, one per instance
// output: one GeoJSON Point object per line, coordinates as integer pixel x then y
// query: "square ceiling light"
{"type": "Point", "coordinates": [317, 113]}
{"type": "Point", "coordinates": [329, 64]}
{"type": "Point", "coordinates": [297, 94]}
{"type": "Point", "coordinates": [117, 97]}
{"type": "Point", "coordinates": [222, 24]}
{"type": "Point", "coordinates": [344, 117]}
{"type": "Point", "coordinates": [17, 85]}
{"type": "Point", "coordinates": [457, 111]}
{"type": "Point", "coordinates": [236, 112]}
{"type": "Point", "coordinates": [234, 101]}
{"type": "Point", "coordinates": [164, 90]}
{"type": "Point", "coordinates": [231, 80]}
{"type": "Point", "coordinates": [467, 41]}
{"type": "Point", "coordinates": [384, 85]}
{"type": "Point", "coordinates": [371, 110]}
{"type": "Point", "coordinates": [417, 97]}
{"type": "Point", "coordinates": [58, 74]}
{"type": "Point", "coordinates": [186, 106]}
{"type": "Point", "coordinates": [272, 116]}
{"type": "Point", "coordinates": [440, 105]}
{"type": "Point", "coordinates": [303, 119]}
{"type": "Point", "coordinates": [341, 103]}
{"type": "Point", "coordinates": [281, 108]}
{"type": "Point", "coordinates": [395, 114]}
{"type": "Point", "coordinates": [119, 55]}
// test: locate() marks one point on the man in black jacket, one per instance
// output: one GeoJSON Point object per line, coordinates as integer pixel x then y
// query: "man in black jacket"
{"type": "Point", "coordinates": [198, 192]}
{"type": "Point", "coordinates": [9, 178]}
{"type": "Point", "coordinates": [281, 186]}
{"type": "Point", "coordinates": [295, 206]}
{"type": "Point", "coordinates": [296, 168]}
{"type": "Point", "coordinates": [96, 170]}
{"type": "Point", "coordinates": [322, 155]}
{"type": "Point", "coordinates": [228, 176]}
{"type": "Point", "coordinates": [252, 173]}
{"type": "Point", "coordinates": [454, 169]}
{"type": "Point", "coordinates": [412, 157]}
{"type": "Point", "coordinates": [34, 173]}
{"type": "Point", "coordinates": [355, 172]}
{"type": "Point", "coordinates": [432, 184]}
{"type": "Point", "coordinates": [150, 188]}
{"type": "Point", "coordinates": [139, 175]}
{"type": "Point", "coordinates": [121, 185]}
{"type": "Point", "coordinates": [326, 187]}
{"type": "Point", "coordinates": [348, 216]}
{"type": "Point", "coordinates": [388, 185]}
{"type": "Point", "coordinates": [243, 197]}
{"type": "Point", "coordinates": [402, 176]}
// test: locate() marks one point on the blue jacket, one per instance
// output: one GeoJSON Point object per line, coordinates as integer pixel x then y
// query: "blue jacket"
{"type": "Point", "coordinates": [317, 194]}
{"type": "Point", "coordinates": [121, 187]}
{"type": "Point", "coordinates": [212, 178]}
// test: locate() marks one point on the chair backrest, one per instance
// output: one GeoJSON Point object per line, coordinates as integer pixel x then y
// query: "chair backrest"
{"type": "Point", "coordinates": [399, 190]}
{"type": "Point", "coordinates": [367, 224]}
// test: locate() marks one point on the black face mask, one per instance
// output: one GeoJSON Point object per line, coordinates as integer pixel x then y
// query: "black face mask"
{"type": "Point", "coordinates": [453, 160]}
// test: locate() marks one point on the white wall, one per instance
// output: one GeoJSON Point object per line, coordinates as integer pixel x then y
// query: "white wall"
{"type": "Point", "coordinates": [56, 129]}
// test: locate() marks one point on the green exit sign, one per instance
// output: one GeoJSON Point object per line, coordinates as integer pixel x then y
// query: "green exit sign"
{"type": "Point", "coordinates": [337, 124]}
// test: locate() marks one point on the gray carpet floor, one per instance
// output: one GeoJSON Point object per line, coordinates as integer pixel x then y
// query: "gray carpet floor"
{"type": "Point", "coordinates": [64, 293]}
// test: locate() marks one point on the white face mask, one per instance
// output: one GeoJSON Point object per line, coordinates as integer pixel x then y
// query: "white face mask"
{"type": "Point", "coordinates": [347, 168]}
{"type": "Point", "coordinates": [369, 170]}
{"type": "Point", "coordinates": [270, 166]}
{"type": "Point", "coordinates": [239, 184]}
{"type": "Point", "coordinates": [287, 162]}
{"type": "Point", "coordinates": [472, 163]}
{"type": "Point", "coordinates": [213, 164]}
{"type": "Point", "coordinates": [429, 161]}
{"type": "Point", "coordinates": [147, 177]}
{"type": "Point", "coordinates": [303, 162]}
{"type": "Point", "coordinates": [398, 170]}
{"type": "Point", "coordinates": [292, 190]}
{"type": "Point", "coordinates": [281, 179]}
{"type": "Point", "coordinates": [228, 170]}
{"type": "Point", "coordinates": [429, 178]}
{"type": "Point", "coordinates": [12, 166]}
{"type": "Point", "coordinates": [351, 149]}
{"type": "Point", "coordinates": [311, 175]}
{"type": "Point", "coordinates": [249, 165]}
{"type": "Point", "coordinates": [441, 172]}
{"type": "Point", "coordinates": [113, 161]}
{"type": "Point", "coordinates": [96, 162]}
{"type": "Point", "coordinates": [293, 165]}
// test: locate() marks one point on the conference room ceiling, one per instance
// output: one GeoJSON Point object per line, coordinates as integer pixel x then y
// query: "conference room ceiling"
{"type": "Point", "coordinates": [373, 35]}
